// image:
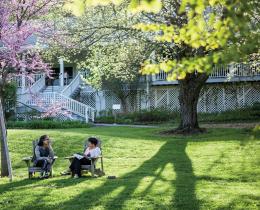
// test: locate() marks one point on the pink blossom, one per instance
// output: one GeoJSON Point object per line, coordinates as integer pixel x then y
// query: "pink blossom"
{"type": "Point", "coordinates": [21, 21]}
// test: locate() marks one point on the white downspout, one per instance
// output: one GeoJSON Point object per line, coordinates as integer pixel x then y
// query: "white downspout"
{"type": "Point", "coordinates": [61, 76]}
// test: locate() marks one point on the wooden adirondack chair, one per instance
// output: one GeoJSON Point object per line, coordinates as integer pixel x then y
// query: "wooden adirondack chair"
{"type": "Point", "coordinates": [28, 160]}
{"type": "Point", "coordinates": [92, 168]}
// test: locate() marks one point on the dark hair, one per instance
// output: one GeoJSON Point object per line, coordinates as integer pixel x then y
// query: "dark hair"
{"type": "Point", "coordinates": [93, 140]}
{"type": "Point", "coordinates": [42, 139]}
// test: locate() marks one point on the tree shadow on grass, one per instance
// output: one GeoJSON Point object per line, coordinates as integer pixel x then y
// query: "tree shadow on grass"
{"type": "Point", "coordinates": [122, 192]}
{"type": "Point", "coordinates": [31, 185]}
{"type": "Point", "coordinates": [114, 194]}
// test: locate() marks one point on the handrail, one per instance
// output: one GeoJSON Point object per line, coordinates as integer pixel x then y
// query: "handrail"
{"type": "Point", "coordinates": [235, 70]}
{"type": "Point", "coordinates": [35, 88]}
{"type": "Point", "coordinates": [27, 106]}
{"type": "Point", "coordinates": [67, 103]}
{"type": "Point", "coordinates": [18, 80]}
{"type": "Point", "coordinates": [78, 108]}
{"type": "Point", "coordinates": [223, 71]}
{"type": "Point", "coordinates": [70, 89]}
{"type": "Point", "coordinates": [63, 98]}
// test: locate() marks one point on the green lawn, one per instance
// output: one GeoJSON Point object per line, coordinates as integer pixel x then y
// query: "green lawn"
{"type": "Point", "coordinates": [217, 170]}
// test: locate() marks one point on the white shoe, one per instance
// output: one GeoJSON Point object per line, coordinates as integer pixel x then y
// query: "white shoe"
{"type": "Point", "coordinates": [64, 173]}
{"type": "Point", "coordinates": [76, 176]}
{"type": "Point", "coordinates": [42, 175]}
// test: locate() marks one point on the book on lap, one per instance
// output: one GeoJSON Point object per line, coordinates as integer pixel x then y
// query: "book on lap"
{"type": "Point", "coordinates": [78, 156]}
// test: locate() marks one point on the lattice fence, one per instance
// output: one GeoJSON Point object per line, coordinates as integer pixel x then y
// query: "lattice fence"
{"type": "Point", "coordinates": [213, 98]}
{"type": "Point", "coordinates": [89, 98]}
{"type": "Point", "coordinates": [110, 99]}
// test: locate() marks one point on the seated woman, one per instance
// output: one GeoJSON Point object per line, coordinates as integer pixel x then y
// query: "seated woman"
{"type": "Point", "coordinates": [43, 156]}
{"type": "Point", "coordinates": [92, 151]}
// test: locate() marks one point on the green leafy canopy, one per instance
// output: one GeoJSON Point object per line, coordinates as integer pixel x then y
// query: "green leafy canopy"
{"type": "Point", "coordinates": [217, 31]}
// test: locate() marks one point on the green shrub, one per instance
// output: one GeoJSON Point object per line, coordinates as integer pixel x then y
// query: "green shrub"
{"type": "Point", "coordinates": [154, 115]}
{"type": "Point", "coordinates": [46, 124]}
{"type": "Point", "coordinates": [238, 115]}
{"type": "Point", "coordinates": [161, 115]}
{"type": "Point", "coordinates": [105, 119]}
{"type": "Point", "coordinates": [256, 131]}
{"type": "Point", "coordinates": [121, 119]}
{"type": "Point", "coordinates": [143, 117]}
{"type": "Point", "coordinates": [9, 99]}
{"type": "Point", "coordinates": [256, 106]}
{"type": "Point", "coordinates": [256, 128]}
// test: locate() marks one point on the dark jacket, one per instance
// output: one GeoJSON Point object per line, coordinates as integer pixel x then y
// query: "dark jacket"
{"type": "Point", "coordinates": [41, 153]}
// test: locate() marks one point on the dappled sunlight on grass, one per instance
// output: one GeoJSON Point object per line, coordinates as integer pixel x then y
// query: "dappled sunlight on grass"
{"type": "Point", "coordinates": [219, 169]}
{"type": "Point", "coordinates": [227, 195]}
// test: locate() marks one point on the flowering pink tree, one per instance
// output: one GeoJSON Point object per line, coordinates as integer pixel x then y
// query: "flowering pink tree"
{"type": "Point", "coordinates": [20, 20]}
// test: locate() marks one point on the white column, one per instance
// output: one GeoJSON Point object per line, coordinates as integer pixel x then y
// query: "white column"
{"type": "Point", "coordinates": [61, 76]}
{"type": "Point", "coordinates": [23, 77]}
{"type": "Point", "coordinates": [205, 101]}
{"type": "Point", "coordinates": [148, 105]}
{"type": "Point", "coordinates": [244, 96]}
{"type": "Point", "coordinates": [168, 96]}
{"type": "Point", "coordinates": [224, 99]}
{"type": "Point", "coordinates": [86, 115]}
{"type": "Point", "coordinates": [23, 82]}
{"type": "Point", "coordinates": [155, 98]}
{"type": "Point", "coordinates": [100, 101]}
{"type": "Point", "coordinates": [153, 77]}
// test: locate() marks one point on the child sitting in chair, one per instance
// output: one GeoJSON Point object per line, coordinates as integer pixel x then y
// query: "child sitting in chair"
{"type": "Point", "coordinates": [92, 151]}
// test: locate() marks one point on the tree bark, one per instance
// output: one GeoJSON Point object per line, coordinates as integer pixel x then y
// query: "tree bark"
{"type": "Point", "coordinates": [124, 105]}
{"type": "Point", "coordinates": [6, 169]}
{"type": "Point", "coordinates": [190, 89]}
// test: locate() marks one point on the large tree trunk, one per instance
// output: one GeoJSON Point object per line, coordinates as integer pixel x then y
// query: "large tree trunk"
{"type": "Point", "coordinates": [124, 105]}
{"type": "Point", "coordinates": [6, 169]}
{"type": "Point", "coordinates": [190, 88]}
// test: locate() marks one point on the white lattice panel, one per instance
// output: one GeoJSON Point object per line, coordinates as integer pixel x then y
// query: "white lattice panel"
{"type": "Point", "coordinates": [173, 101]}
{"type": "Point", "coordinates": [201, 101]}
{"type": "Point", "coordinates": [152, 98]}
{"type": "Point", "coordinates": [88, 98]}
{"type": "Point", "coordinates": [240, 96]}
{"type": "Point", "coordinates": [231, 101]}
{"type": "Point", "coordinates": [252, 95]}
{"type": "Point", "coordinates": [161, 98]}
{"type": "Point", "coordinates": [213, 98]}
{"type": "Point", "coordinates": [110, 99]}
{"type": "Point", "coordinates": [143, 100]}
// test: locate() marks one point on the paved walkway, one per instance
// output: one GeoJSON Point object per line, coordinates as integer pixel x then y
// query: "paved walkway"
{"type": "Point", "coordinates": [125, 125]}
{"type": "Point", "coordinates": [206, 125]}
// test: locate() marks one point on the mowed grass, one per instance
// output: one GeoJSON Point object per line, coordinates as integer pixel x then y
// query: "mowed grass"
{"type": "Point", "coordinates": [216, 170]}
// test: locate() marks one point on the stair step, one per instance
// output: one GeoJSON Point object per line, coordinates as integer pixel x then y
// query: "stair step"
{"type": "Point", "coordinates": [50, 92]}
{"type": "Point", "coordinates": [49, 89]}
{"type": "Point", "coordinates": [75, 116]}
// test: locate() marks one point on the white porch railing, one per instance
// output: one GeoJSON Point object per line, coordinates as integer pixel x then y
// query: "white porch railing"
{"type": "Point", "coordinates": [32, 97]}
{"type": "Point", "coordinates": [236, 70]}
{"type": "Point", "coordinates": [70, 89]}
{"type": "Point", "coordinates": [65, 102]}
{"type": "Point", "coordinates": [223, 71]}
{"type": "Point", "coordinates": [38, 85]}
{"type": "Point", "coordinates": [33, 89]}
{"type": "Point", "coordinates": [161, 76]}
{"type": "Point", "coordinates": [28, 82]}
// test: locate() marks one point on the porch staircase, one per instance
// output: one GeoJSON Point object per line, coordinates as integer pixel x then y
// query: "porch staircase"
{"type": "Point", "coordinates": [42, 98]}
{"type": "Point", "coordinates": [51, 89]}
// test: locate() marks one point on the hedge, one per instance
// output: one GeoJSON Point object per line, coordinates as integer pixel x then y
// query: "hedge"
{"type": "Point", "coordinates": [46, 124]}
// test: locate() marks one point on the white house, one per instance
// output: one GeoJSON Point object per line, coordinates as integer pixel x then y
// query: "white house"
{"type": "Point", "coordinates": [228, 87]}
